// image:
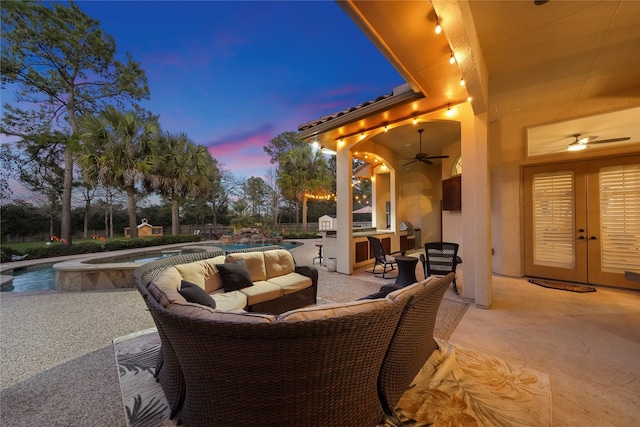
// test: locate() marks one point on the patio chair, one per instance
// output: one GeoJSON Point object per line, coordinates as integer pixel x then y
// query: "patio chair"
{"type": "Point", "coordinates": [386, 260]}
{"type": "Point", "coordinates": [412, 343]}
{"type": "Point", "coordinates": [441, 258]}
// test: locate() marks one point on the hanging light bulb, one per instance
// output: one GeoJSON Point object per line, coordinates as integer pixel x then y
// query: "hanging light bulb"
{"type": "Point", "coordinates": [438, 27]}
{"type": "Point", "coordinates": [452, 59]}
{"type": "Point", "coordinates": [461, 81]}
{"type": "Point", "coordinates": [415, 120]}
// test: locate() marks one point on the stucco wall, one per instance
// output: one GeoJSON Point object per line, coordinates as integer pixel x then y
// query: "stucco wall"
{"type": "Point", "coordinates": [419, 201]}
{"type": "Point", "coordinates": [507, 140]}
{"type": "Point", "coordinates": [451, 220]}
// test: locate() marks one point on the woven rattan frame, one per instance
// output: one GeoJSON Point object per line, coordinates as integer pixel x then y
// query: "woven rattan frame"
{"type": "Point", "coordinates": [308, 373]}
{"type": "Point", "coordinates": [412, 343]}
{"type": "Point", "coordinates": [168, 370]}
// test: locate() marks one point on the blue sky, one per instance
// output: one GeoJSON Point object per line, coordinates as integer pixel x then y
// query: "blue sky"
{"type": "Point", "coordinates": [235, 74]}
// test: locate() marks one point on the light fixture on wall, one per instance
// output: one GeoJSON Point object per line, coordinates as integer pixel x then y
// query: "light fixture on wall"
{"type": "Point", "coordinates": [323, 149]}
{"type": "Point", "coordinates": [450, 112]}
{"type": "Point", "coordinates": [327, 151]}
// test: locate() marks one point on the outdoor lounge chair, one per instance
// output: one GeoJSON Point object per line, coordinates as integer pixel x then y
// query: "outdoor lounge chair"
{"type": "Point", "coordinates": [412, 343]}
{"type": "Point", "coordinates": [317, 372]}
{"type": "Point", "coordinates": [441, 258]}
{"type": "Point", "coordinates": [387, 261]}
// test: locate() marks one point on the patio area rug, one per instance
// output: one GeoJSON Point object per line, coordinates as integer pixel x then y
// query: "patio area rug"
{"type": "Point", "coordinates": [456, 386]}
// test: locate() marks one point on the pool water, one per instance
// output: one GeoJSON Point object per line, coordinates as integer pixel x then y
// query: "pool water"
{"type": "Point", "coordinates": [43, 277]}
{"type": "Point", "coordinates": [32, 279]}
{"type": "Point", "coordinates": [235, 246]}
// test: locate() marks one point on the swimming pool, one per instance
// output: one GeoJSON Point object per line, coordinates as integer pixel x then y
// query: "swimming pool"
{"type": "Point", "coordinates": [119, 268]}
{"type": "Point", "coordinates": [234, 246]}
{"type": "Point", "coordinates": [32, 279]}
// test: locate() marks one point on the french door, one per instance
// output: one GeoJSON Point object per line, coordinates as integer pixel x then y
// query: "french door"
{"type": "Point", "coordinates": [582, 221]}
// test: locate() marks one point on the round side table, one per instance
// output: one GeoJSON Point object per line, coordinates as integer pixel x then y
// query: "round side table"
{"type": "Point", "coordinates": [406, 270]}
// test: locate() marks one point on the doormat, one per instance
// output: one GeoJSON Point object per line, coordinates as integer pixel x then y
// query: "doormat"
{"type": "Point", "coordinates": [562, 286]}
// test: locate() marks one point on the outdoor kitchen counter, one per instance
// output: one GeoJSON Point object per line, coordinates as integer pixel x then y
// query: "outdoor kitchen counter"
{"type": "Point", "coordinates": [362, 252]}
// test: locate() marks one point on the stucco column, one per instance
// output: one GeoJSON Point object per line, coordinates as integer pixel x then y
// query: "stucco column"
{"type": "Point", "coordinates": [476, 210]}
{"type": "Point", "coordinates": [344, 208]}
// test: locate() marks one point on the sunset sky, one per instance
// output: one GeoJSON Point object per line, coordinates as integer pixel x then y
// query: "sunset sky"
{"type": "Point", "coordinates": [233, 75]}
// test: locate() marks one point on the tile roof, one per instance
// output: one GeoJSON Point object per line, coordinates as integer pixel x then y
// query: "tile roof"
{"type": "Point", "coordinates": [325, 119]}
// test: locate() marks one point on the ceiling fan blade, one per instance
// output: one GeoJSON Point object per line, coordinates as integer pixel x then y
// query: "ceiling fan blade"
{"type": "Point", "coordinates": [426, 161]}
{"type": "Point", "coordinates": [438, 157]}
{"type": "Point", "coordinates": [626, 138]}
{"type": "Point", "coordinates": [408, 163]}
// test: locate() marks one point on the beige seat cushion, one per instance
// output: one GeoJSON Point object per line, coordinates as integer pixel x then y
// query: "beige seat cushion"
{"type": "Point", "coordinates": [227, 301]}
{"type": "Point", "coordinates": [261, 291]}
{"type": "Point", "coordinates": [254, 262]}
{"type": "Point", "coordinates": [291, 282]}
{"type": "Point", "coordinates": [214, 281]}
{"type": "Point", "coordinates": [164, 288]}
{"type": "Point", "coordinates": [278, 263]}
{"type": "Point", "coordinates": [202, 273]}
{"type": "Point", "coordinates": [332, 310]}
{"type": "Point", "coordinates": [202, 312]}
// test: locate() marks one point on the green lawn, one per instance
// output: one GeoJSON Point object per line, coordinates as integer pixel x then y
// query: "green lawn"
{"type": "Point", "coordinates": [25, 247]}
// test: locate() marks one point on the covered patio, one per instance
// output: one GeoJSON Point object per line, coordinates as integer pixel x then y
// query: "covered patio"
{"type": "Point", "coordinates": [478, 88]}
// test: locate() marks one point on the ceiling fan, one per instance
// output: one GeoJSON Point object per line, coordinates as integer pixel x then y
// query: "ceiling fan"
{"type": "Point", "coordinates": [424, 157]}
{"type": "Point", "coordinates": [581, 143]}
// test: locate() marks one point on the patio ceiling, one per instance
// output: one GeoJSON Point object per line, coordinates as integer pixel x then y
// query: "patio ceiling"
{"type": "Point", "coordinates": [536, 57]}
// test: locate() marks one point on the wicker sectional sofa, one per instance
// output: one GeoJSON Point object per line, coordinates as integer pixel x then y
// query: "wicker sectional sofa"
{"type": "Point", "coordinates": [321, 365]}
{"type": "Point", "coordinates": [277, 284]}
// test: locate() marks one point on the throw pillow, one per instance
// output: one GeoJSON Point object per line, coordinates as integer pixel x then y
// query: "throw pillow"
{"type": "Point", "coordinates": [194, 293]}
{"type": "Point", "coordinates": [235, 275]}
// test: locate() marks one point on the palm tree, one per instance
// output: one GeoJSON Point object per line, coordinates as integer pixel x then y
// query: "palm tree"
{"type": "Point", "coordinates": [118, 151]}
{"type": "Point", "coordinates": [184, 169]}
{"type": "Point", "coordinates": [303, 171]}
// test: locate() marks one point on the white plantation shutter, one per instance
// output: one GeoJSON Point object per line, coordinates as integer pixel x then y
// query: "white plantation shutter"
{"type": "Point", "coordinates": [553, 219]}
{"type": "Point", "coordinates": [620, 218]}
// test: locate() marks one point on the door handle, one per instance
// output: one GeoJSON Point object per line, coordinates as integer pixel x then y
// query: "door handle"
{"type": "Point", "coordinates": [592, 238]}
{"type": "Point", "coordinates": [581, 230]}
{"type": "Point", "coordinates": [581, 238]}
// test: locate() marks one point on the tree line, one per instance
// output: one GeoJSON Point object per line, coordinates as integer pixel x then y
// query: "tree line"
{"type": "Point", "coordinates": [82, 140]}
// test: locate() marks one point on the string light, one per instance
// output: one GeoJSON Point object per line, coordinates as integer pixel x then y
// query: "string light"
{"type": "Point", "coordinates": [320, 197]}
{"type": "Point", "coordinates": [414, 117]}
